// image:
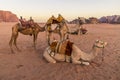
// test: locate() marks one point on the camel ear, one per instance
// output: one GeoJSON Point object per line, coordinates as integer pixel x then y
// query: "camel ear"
{"type": "Point", "coordinates": [97, 41]}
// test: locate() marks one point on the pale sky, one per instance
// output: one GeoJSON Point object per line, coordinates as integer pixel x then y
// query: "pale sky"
{"type": "Point", "coordinates": [41, 10]}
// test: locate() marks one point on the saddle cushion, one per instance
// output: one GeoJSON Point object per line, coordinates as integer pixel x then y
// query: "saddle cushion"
{"type": "Point", "coordinates": [53, 46]}
{"type": "Point", "coordinates": [64, 48]}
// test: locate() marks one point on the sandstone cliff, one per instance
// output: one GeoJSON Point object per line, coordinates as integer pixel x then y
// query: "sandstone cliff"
{"type": "Point", "coordinates": [110, 19]}
{"type": "Point", "coordinates": [7, 16]}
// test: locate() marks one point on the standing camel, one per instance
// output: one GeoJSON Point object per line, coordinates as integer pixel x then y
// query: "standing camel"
{"type": "Point", "coordinates": [61, 28]}
{"type": "Point", "coordinates": [26, 31]}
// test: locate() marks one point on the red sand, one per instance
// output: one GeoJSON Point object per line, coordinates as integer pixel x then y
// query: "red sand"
{"type": "Point", "coordinates": [29, 64]}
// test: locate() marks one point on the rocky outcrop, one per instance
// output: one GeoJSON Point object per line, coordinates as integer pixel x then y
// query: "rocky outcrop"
{"type": "Point", "coordinates": [7, 16]}
{"type": "Point", "coordinates": [110, 19]}
{"type": "Point", "coordinates": [91, 20]}
{"type": "Point", "coordinates": [75, 21]}
{"type": "Point", "coordinates": [115, 19]}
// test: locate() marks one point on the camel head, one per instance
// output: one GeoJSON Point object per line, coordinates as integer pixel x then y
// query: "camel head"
{"type": "Point", "coordinates": [100, 44]}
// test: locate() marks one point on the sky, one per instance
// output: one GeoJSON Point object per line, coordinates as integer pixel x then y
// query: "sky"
{"type": "Point", "coordinates": [42, 10]}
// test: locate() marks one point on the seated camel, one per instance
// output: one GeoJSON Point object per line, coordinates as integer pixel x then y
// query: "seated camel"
{"type": "Point", "coordinates": [79, 31]}
{"type": "Point", "coordinates": [75, 55]}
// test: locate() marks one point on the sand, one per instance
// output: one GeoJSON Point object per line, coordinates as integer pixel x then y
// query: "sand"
{"type": "Point", "coordinates": [29, 64]}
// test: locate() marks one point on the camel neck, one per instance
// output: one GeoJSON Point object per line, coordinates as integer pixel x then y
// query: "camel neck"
{"type": "Point", "coordinates": [90, 56]}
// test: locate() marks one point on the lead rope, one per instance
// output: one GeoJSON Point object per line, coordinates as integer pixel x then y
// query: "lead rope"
{"type": "Point", "coordinates": [103, 54]}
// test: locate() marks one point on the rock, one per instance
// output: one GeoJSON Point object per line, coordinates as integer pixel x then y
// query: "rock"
{"type": "Point", "coordinates": [110, 19]}
{"type": "Point", "coordinates": [7, 16]}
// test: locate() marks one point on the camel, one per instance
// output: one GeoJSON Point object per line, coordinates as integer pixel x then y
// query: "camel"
{"type": "Point", "coordinates": [77, 56]}
{"type": "Point", "coordinates": [61, 28]}
{"type": "Point", "coordinates": [25, 31]}
{"type": "Point", "coordinates": [79, 31]}
{"type": "Point", "coordinates": [80, 28]}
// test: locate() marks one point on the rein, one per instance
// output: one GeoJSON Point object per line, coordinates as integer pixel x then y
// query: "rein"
{"type": "Point", "coordinates": [102, 54]}
{"type": "Point", "coordinates": [102, 51]}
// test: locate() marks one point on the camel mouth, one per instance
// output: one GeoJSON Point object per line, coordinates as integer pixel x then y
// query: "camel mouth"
{"type": "Point", "coordinates": [100, 44]}
{"type": "Point", "coordinates": [105, 43]}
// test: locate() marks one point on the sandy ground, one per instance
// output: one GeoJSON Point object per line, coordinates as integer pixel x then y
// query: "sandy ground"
{"type": "Point", "coordinates": [29, 64]}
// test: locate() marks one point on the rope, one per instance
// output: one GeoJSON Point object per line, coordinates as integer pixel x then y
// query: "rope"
{"type": "Point", "coordinates": [102, 54]}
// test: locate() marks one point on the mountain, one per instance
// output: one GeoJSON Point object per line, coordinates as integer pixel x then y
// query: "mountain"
{"type": "Point", "coordinates": [91, 20]}
{"type": "Point", "coordinates": [75, 21]}
{"type": "Point", "coordinates": [7, 16]}
{"type": "Point", "coordinates": [110, 19]}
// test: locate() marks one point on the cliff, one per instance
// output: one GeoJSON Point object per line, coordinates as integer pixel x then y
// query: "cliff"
{"type": "Point", "coordinates": [110, 19]}
{"type": "Point", "coordinates": [7, 16]}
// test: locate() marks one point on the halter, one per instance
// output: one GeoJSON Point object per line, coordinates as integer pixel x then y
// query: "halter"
{"type": "Point", "coordinates": [102, 50]}
{"type": "Point", "coordinates": [98, 46]}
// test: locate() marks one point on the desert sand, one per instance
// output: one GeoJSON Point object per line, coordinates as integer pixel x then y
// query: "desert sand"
{"type": "Point", "coordinates": [29, 64]}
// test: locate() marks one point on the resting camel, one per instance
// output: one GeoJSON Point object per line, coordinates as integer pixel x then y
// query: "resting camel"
{"type": "Point", "coordinates": [61, 28]}
{"type": "Point", "coordinates": [77, 56]}
{"type": "Point", "coordinates": [80, 28]}
{"type": "Point", "coordinates": [26, 31]}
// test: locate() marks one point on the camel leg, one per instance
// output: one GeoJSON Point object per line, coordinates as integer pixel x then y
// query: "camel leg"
{"type": "Point", "coordinates": [35, 40]}
{"type": "Point", "coordinates": [10, 44]}
{"type": "Point", "coordinates": [48, 57]}
{"type": "Point", "coordinates": [48, 37]}
{"type": "Point", "coordinates": [59, 57]}
{"type": "Point", "coordinates": [80, 62]}
{"type": "Point", "coordinates": [61, 39]}
{"type": "Point", "coordinates": [76, 62]}
{"type": "Point", "coordinates": [76, 55]}
{"type": "Point", "coordinates": [15, 39]}
{"type": "Point", "coordinates": [79, 32]}
{"type": "Point", "coordinates": [86, 63]}
{"type": "Point", "coordinates": [34, 43]}
{"type": "Point", "coordinates": [62, 36]}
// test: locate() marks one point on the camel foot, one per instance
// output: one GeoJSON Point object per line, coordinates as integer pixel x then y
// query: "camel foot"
{"type": "Point", "coordinates": [95, 63]}
{"type": "Point", "coordinates": [54, 62]}
{"type": "Point", "coordinates": [12, 52]}
{"type": "Point", "coordinates": [52, 54]}
{"type": "Point", "coordinates": [86, 63]}
{"type": "Point", "coordinates": [19, 50]}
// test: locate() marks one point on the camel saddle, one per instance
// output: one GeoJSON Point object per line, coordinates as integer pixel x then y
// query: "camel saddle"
{"type": "Point", "coordinates": [64, 47]}
{"type": "Point", "coordinates": [27, 23]}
